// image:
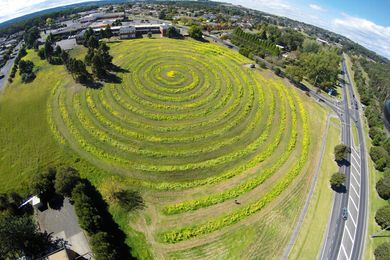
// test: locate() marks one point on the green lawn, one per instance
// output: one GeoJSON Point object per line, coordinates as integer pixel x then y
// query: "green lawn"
{"type": "Point", "coordinates": [191, 128]}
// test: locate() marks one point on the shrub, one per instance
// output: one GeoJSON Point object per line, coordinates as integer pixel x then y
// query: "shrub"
{"type": "Point", "coordinates": [129, 200]}
{"type": "Point", "coordinates": [381, 164]}
{"type": "Point", "coordinates": [382, 252]}
{"type": "Point", "coordinates": [66, 179]}
{"type": "Point", "coordinates": [42, 184]}
{"type": "Point", "coordinates": [102, 247]}
{"type": "Point", "coordinates": [87, 213]}
{"type": "Point", "coordinates": [377, 153]}
{"type": "Point", "coordinates": [195, 32]}
{"type": "Point", "coordinates": [28, 77]}
{"type": "Point", "coordinates": [382, 216]}
{"type": "Point", "coordinates": [383, 188]}
{"type": "Point", "coordinates": [337, 180]}
{"type": "Point", "coordinates": [340, 152]}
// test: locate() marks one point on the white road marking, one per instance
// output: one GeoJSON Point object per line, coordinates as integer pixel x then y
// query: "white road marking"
{"type": "Point", "coordinates": [357, 154]}
{"type": "Point", "coordinates": [349, 234]}
{"type": "Point", "coordinates": [356, 169]}
{"type": "Point", "coordinates": [353, 221]}
{"type": "Point", "coordinates": [355, 160]}
{"type": "Point", "coordinates": [357, 209]}
{"type": "Point", "coordinates": [355, 191]}
{"type": "Point", "coordinates": [345, 252]}
{"type": "Point", "coordinates": [355, 179]}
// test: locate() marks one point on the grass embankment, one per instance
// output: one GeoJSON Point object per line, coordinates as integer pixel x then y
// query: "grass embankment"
{"type": "Point", "coordinates": [314, 226]}
{"type": "Point", "coordinates": [28, 145]}
{"type": "Point", "coordinates": [192, 129]}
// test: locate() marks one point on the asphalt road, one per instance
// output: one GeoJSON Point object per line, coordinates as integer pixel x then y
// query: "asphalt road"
{"type": "Point", "coordinates": [345, 239]}
{"type": "Point", "coordinates": [5, 70]}
{"type": "Point", "coordinates": [361, 165]}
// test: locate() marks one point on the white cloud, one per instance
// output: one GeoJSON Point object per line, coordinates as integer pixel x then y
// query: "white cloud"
{"type": "Point", "coordinates": [367, 33]}
{"type": "Point", "coordinates": [15, 8]}
{"type": "Point", "coordinates": [317, 7]}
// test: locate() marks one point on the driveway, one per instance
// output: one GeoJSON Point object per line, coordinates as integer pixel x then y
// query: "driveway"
{"type": "Point", "coordinates": [63, 223]}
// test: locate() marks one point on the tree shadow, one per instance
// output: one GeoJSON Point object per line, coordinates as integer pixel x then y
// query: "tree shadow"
{"type": "Point", "coordinates": [130, 200]}
{"type": "Point", "coordinates": [343, 162]}
{"type": "Point", "coordinates": [56, 202]}
{"type": "Point", "coordinates": [92, 84]}
{"type": "Point", "coordinates": [339, 189]}
{"type": "Point", "coordinates": [117, 68]}
{"type": "Point", "coordinates": [112, 78]}
{"type": "Point", "coordinates": [117, 236]}
{"type": "Point", "coordinates": [201, 40]}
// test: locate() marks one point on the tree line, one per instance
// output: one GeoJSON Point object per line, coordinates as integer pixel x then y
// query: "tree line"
{"type": "Point", "coordinates": [374, 89]}
{"type": "Point", "coordinates": [251, 44]}
{"type": "Point", "coordinates": [106, 239]}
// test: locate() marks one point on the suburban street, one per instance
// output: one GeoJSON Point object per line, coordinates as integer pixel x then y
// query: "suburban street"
{"type": "Point", "coordinates": [5, 70]}
{"type": "Point", "coordinates": [345, 238]}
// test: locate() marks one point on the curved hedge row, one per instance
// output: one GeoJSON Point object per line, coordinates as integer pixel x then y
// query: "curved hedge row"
{"type": "Point", "coordinates": [189, 232]}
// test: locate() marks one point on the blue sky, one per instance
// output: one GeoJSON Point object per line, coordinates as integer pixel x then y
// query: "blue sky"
{"type": "Point", "coordinates": [364, 21]}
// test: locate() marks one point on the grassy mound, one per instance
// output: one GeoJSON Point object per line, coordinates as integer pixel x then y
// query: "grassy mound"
{"type": "Point", "coordinates": [214, 147]}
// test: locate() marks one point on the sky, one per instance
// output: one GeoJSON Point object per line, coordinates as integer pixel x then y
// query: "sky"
{"type": "Point", "coordinates": [364, 21]}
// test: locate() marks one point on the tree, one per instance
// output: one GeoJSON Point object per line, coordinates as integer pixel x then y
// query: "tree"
{"type": "Point", "coordinates": [172, 32]}
{"type": "Point", "coordinates": [310, 46]}
{"type": "Point", "coordinates": [102, 248]}
{"type": "Point", "coordinates": [87, 34]}
{"type": "Point", "coordinates": [340, 152]}
{"type": "Point", "coordinates": [382, 216]}
{"type": "Point", "coordinates": [19, 236]}
{"type": "Point", "coordinates": [48, 49]}
{"type": "Point", "coordinates": [337, 180]}
{"type": "Point", "coordinates": [25, 66]}
{"type": "Point", "coordinates": [129, 200]}
{"type": "Point", "coordinates": [383, 188]}
{"type": "Point", "coordinates": [66, 179]}
{"type": "Point", "coordinates": [382, 252]}
{"type": "Point", "coordinates": [41, 53]}
{"type": "Point", "coordinates": [107, 31]}
{"type": "Point", "coordinates": [93, 42]}
{"type": "Point", "coordinates": [98, 67]}
{"type": "Point", "coordinates": [89, 56]}
{"type": "Point", "coordinates": [104, 54]}
{"type": "Point", "coordinates": [377, 153]}
{"type": "Point", "coordinates": [49, 21]}
{"type": "Point", "coordinates": [9, 204]}
{"type": "Point", "coordinates": [30, 36]}
{"type": "Point", "coordinates": [42, 184]}
{"type": "Point", "coordinates": [195, 32]}
{"type": "Point", "coordinates": [150, 35]}
{"type": "Point", "coordinates": [87, 213]}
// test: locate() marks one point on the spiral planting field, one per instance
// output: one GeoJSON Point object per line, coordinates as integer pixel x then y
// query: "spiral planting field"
{"type": "Point", "coordinates": [213, 142]}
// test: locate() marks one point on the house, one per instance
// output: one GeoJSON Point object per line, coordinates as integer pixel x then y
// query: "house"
{"type": "Point", "coordinates": [127, 32]}
{"type": "Point", "coordinates": [321, 41]}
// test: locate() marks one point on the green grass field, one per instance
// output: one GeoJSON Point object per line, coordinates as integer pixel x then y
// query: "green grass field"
{"type": "Point", "coordinates": [222, 154]}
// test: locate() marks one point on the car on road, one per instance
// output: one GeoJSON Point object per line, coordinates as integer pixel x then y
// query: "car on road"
{"type": "Point", "coordinates": [345, 213]}
{"type": "Point", "coordinates": [1, 75]}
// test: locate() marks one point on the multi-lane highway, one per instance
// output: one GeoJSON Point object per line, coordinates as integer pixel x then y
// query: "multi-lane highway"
{"type": "Point", "coordinates": [345, 237]}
